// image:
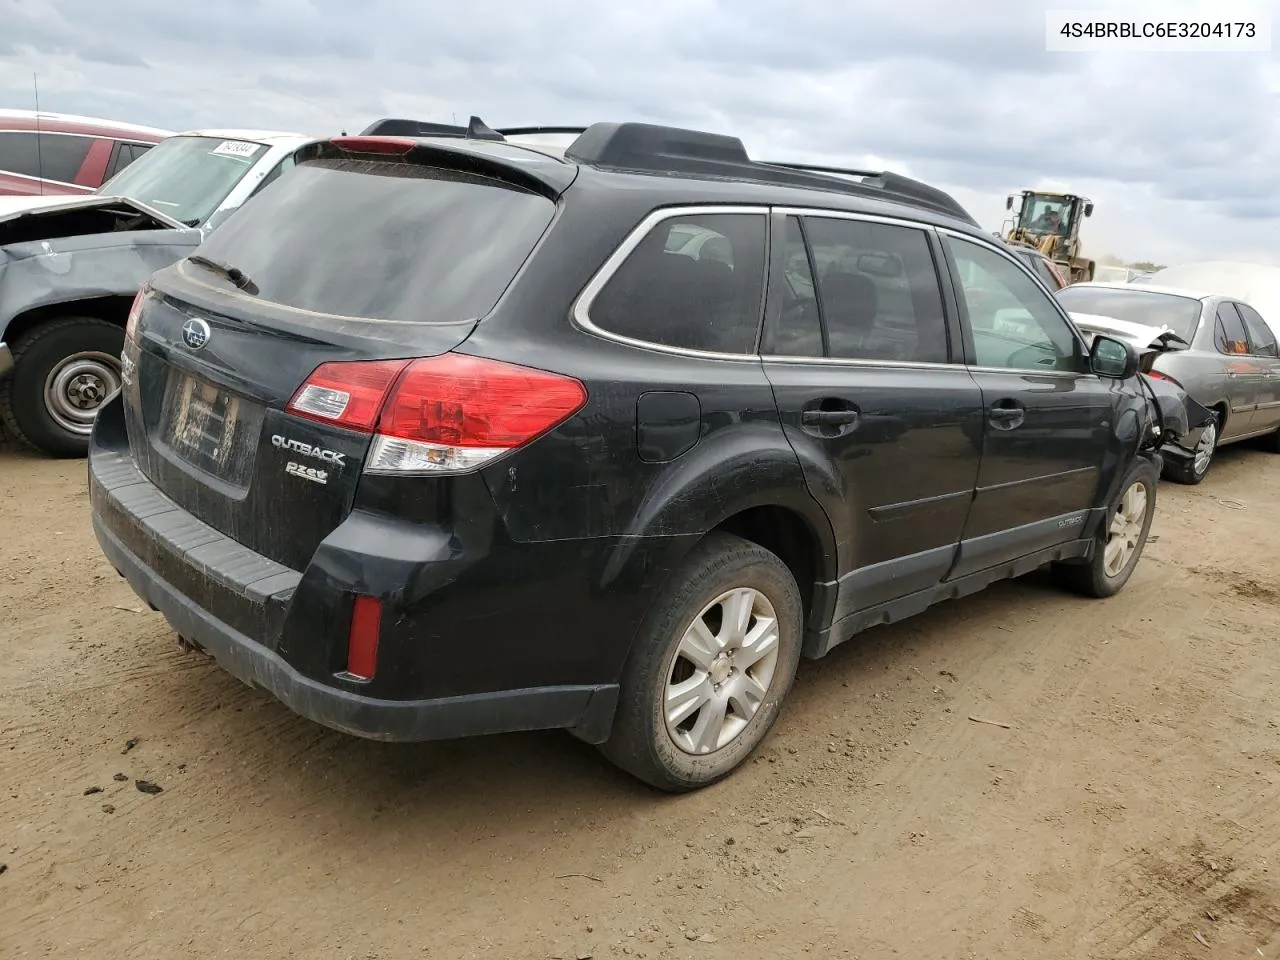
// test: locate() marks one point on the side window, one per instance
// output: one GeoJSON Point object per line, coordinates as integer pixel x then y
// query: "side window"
{"type": "Point", "coordinates": [61, 155]}
{"type": "Point", "coordinates": [1262, 341]}
{"type": "Point", "coordinates": [286, 164]}
{"type": "Point", "coordinates": [878, 291]}
{"type": "Point", "coordinates": [18, 153]}
{"type": "Point", "coordinates": [699, 290]}
{"type": "Point", "coordinates": [1229, 335]}
{"type": "Point", "coordinates": [799, 325]}
{"type": "Point", "coordinates": [121, 157]}
{"type": "Point", "coordinates": [1015, 324]}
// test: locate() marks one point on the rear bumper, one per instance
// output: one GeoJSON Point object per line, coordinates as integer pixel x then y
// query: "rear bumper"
{"type": "Point", "coordinates": [590, 709]}
{"type": "Point", "coordinates": [265, 624]}
{"type": "Point", "coordinates": [6, 360]}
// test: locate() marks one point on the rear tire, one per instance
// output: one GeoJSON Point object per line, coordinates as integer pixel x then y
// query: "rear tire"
{"type": "Point", "coordinates": [1193, 469]}
{"type": "Point", "coordinates": [62, 372]}
{"type": "Point", "coordinates": [698, 696]}
{"type": "Point", "coordinates": [1121, 540]}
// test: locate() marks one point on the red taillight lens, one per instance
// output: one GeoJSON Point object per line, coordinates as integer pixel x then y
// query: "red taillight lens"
{"type": "Point", "coordinates": [1162, 376]}
{"type": "Point", "coordinates": [346, 394]}
{"type": "Point", "coordinates": [135, 311]}
{"type": "Point", "coordinates": [362, 642]}
{"type": "Point", "coordinates": [450, 413]}
{"type": "Point", "coordinates": [463, 401]}
{"type": "Point", "coordinates": [396, 146]}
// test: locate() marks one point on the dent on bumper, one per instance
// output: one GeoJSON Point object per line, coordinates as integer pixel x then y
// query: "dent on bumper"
{"type": "Point", "coordinates": [6, 359]}
{"type": "Point", "coordinates": [586, 711]}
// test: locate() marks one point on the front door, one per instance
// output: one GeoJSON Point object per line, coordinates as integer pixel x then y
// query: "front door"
{"type": "Point", "coordinates": [858, 348]}
{"type": "Point", "coordinates": [1048, 420]}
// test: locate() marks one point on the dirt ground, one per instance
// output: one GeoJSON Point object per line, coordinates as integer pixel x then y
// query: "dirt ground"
{"type": "Point", "coordinates": [1128, 806]}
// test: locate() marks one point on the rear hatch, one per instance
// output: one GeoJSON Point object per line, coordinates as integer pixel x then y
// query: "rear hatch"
{"type": "Point", "coordinates": [351, 257]}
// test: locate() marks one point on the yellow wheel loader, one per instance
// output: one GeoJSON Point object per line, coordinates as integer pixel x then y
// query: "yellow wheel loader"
{"type": "Point", "coordinates": [1050, 222]}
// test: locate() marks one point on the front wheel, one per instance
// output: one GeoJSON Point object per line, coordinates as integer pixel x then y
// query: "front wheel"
{"type": "Point", "coordinates": [1121, 540]}
{"type": "Point", "coordinates": [1191, 470]}
{"type": "Point", "coordinates": [710, 668]}
{"type": "Point", "coordinates": [63, 371]}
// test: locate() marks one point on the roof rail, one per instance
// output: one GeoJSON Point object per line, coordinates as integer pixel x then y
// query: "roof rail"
{"type": "Point", "coordinates": [902, 188]}
{"type": "Point", "coordinates": [648, 147]}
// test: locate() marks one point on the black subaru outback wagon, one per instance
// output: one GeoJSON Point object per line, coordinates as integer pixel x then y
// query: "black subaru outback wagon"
{"type": "Point", "coordinates": [449, 435]}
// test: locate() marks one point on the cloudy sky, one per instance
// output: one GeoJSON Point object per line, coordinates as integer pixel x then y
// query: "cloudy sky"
{"type": "Point", "coordinates": [1180, 151]}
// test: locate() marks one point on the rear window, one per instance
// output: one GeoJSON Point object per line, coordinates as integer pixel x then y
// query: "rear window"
{"type": "Point", "coordinates": [1179, 314]}
{"type": "Point", "coordinates": [383, 240]}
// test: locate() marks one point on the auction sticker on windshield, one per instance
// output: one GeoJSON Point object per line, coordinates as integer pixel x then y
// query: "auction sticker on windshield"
{"type": "Point", "coordinates": [235, 148]}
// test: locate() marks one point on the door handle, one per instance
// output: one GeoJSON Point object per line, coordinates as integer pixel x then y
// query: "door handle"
{"type": "Point", "coordinates": [828, 418]}
{"type": "Point", "coordinates": [1006, 414]}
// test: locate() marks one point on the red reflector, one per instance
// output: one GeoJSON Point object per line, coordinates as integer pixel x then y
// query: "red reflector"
{"type": "Point", "coordinates": [131, 324]}
{"type": "Point", "coordinates": [460, 401]}
{"type": "Point", "coordinates": [362, 644]}
{"type": "Point", "coordinates": [347, 394]}
{"type": "Point", "coordinates": [397, 146]}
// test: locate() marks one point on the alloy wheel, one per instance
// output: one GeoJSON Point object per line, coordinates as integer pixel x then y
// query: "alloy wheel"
{"type": "Point", "coordinates": [721, 671]}
{"type": "Point", "coordinates": [1125, 530]}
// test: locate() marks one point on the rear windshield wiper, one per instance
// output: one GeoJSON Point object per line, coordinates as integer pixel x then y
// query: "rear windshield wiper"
{"type": "Point", "coordinates": [234, 274]}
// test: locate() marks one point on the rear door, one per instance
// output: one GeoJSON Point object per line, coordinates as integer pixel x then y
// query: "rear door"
{"type": "Point", "coordinates": [857, 346]}
{"type": "Point", "coordinates": [1048, 421]}
{"type": "Point", "coordinates": [1244, 372]}
{"type": "Point", "coordinates": [1266, 358]}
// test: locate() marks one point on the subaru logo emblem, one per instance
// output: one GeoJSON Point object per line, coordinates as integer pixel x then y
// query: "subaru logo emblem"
{"type": "Point", "coordinates": [195, 333]}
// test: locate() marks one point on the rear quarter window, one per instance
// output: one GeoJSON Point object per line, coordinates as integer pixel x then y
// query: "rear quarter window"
{"type": "Point", "coordinates": [387, 240]}
{"type": "Point", "coordinates": [694, 282]}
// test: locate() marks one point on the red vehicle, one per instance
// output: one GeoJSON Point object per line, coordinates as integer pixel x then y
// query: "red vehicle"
{"type": "Point", "coordinates": [49, 154]}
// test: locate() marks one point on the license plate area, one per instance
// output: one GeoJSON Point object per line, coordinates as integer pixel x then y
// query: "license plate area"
{"type": "Point", "coordinates": [209, 428]}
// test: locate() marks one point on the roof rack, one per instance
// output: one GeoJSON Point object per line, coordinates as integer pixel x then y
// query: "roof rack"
{"type": "Point", "coordinates": [660, 149]}
{"type": "Point", "coordinates": [902, 188]}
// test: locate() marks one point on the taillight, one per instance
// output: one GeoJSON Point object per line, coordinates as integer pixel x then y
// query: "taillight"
{"type": "Point", "coordinates": [444, 414]}
{"type": "Point", "coordinates": [347, 394]}
{"type": "Point", "coordinates": [1162, 376]}
{"type": "Point", "coordinates": [135, 311]}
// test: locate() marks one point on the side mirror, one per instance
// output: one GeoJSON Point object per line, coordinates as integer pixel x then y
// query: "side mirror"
{"type": "Point", "coordinates": [1008, 202]}
{"type": "Point", "coordinates": [1113, 359]}
{"type": "Point", "coordinates": [1088, 209]}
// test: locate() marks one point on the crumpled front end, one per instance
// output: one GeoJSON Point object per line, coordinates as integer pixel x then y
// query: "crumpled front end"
{"type": "Point", "coordinates": [1180, 417]}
